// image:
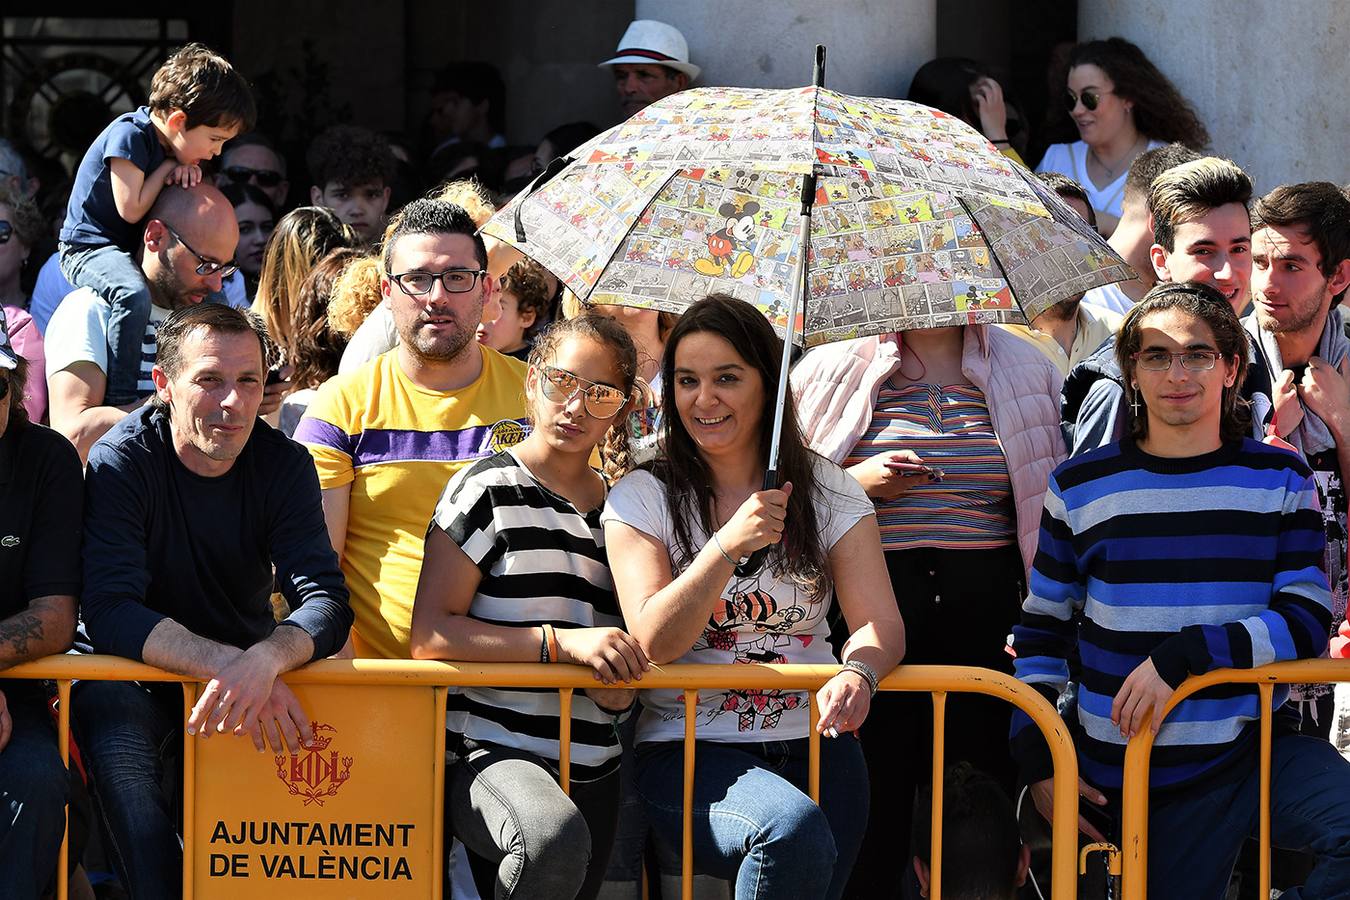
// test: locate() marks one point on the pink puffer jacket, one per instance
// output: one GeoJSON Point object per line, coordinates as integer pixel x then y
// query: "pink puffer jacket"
{"type": "Point", "coordinates": [836, 387]}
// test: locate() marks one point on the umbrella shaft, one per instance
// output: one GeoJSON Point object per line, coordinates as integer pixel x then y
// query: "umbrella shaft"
{"type": "Point", "coordinates": [789, 333]}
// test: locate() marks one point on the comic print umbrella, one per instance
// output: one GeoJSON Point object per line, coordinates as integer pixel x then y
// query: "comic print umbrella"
{"type": "Point", "coordinates": [909, 218]}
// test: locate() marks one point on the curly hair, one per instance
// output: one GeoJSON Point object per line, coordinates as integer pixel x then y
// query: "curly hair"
{"type": "Point", "coordinates": [614, 452]}
{"type": "Point", "coordinates": [313, 347]}
{"type": "Point", "coordinates": [526, 281]}
{"type": "Point", "coordinates": [301, 237]}
{"type": "Point", "coordinates": [29, 225]}
{"type": "Point", "coordinates": [204, 85]}
{"type": "Point", "coordinates": [469, 195]}
{"type": "Point", "coordinates": [1160, 111]}
{"type": "Point", "coordinates": [356, 292]}
{"type": "Point", "coordinates": [350, 155]}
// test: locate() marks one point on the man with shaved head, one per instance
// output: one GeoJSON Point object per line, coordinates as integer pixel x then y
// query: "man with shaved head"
{"type": "Point", "coordinates": [187, 249]}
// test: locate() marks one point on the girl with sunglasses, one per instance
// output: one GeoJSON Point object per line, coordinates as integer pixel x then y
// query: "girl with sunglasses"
{"type": "Point", "coordinates": [682, 531]}
{"type": "Point", "coordinates": [1121, 106]}
{"type": "Point", "coordinates": [515, 571]}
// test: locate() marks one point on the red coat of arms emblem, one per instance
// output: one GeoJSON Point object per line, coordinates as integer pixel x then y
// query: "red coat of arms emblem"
{"type": "Point", "coordinates": [314, 774]}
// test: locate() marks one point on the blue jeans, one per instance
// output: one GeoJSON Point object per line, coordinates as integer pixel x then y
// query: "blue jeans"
{"type": "Point", "coordinates": [126, 732]}
{"type": "Point", "coordinates": [33, 792]}
{"type": "Point", "coordinates": [1194, 838]}
{"type": "Point", "coordinates": [110, 272]}
{"type": "Point", "coordinates": [754, 825]}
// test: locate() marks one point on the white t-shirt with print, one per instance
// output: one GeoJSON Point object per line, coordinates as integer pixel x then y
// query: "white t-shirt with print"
{"type": "Point", "coordinates": [755, 620]}
{"type": "Point", "coordinates": [78, 332]}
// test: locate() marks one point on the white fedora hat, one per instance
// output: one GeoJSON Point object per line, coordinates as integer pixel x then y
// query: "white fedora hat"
{"type": "Point", "coordinates": [652, 42]}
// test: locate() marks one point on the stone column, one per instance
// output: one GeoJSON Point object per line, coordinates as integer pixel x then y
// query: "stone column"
{"type": "Point", "coordinates": [1271, 81]}
{"type": "Point", "coordinates": [874, 48]}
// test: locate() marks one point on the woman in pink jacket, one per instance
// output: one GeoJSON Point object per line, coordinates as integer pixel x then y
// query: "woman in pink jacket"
{"type": "Point", "coordinates": [953, 433]}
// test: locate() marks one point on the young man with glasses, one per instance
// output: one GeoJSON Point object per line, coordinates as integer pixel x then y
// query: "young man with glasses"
{"type": "Point", "coordinates": [387, 436]}
{"type": "Point", "coordinates": [1187, 546]}
{"type": "Point", "coordinates": [187, 249]}
{"type": "Point", "coordinates": [252, 159]}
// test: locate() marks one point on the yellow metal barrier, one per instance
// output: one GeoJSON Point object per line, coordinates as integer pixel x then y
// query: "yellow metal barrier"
{"type": "Point", "coordinates": [1134, 800]}
{"type": "Point", "coordinates": [936, 680]}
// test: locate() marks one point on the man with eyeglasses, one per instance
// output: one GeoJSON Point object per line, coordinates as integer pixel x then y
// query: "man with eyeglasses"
{"type": "Point", "coordinates": [387, 436]}
{"type": "Point", "coordinates": [1187, 546]}
{"type": "Point", "coordinates": [187, 249]}
{"type": "Point", "coordinates": [252, 159]}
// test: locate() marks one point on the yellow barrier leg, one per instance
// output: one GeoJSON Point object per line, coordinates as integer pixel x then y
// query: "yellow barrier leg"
{"type": "Point", "coordinates": [1266, 691]}
{"type": "Point", "coordinates": [438, 847]}
{"type": "Point", "coordinates": [813, 750]}
{"type": "Point", "coordinates": [189, 787]}
{"type": "Point", "coordinates": [565, 740]}
{"type": "Point", "coordinates": [687, 839]}
{"type": "Point", "coordinates": [63, 738]}
{"type": "Point", "coordinates": [939, 753]}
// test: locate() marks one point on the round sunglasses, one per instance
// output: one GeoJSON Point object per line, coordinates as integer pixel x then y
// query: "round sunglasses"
{"type": "Point", "coordinates": [1091, 97]}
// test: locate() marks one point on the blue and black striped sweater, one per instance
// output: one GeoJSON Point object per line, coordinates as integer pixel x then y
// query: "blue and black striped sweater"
{"type": "Point", "coordinates": [1200, 563]}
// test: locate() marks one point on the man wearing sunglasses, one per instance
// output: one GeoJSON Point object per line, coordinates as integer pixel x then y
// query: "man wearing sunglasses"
{"type": "Point", "coordinates": [252, 159]}
{"type": "Point", "coordinates": [388, 435]}
{"type": "Point", "coordinates": [187, 249]}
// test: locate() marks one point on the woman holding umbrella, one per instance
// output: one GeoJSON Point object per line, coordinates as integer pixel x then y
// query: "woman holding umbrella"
{"type": "Point", "coordinates": [679, 532]}
{"type": "Point", "coordinates": [954, 449]}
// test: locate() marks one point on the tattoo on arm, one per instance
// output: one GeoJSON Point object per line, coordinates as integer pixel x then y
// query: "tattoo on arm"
{"type": "Point", "coordinates": [17, 631]}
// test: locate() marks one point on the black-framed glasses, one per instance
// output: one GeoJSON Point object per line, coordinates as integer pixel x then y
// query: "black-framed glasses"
{"type": "Point", "coordinates": [6, 231]}
{"type": "Point", "coordinates": [206, 266]}
{"type": "Point", "coordinates": [1090, 97]}
{"type": "Point", "coordinates": [600, 400]}
{"type": "Point", "coordinates": [263, 177]}
{"type": "Point", "coordinates": [1161, 360]}
{"type": "Point", "coordinates": [455, 281]}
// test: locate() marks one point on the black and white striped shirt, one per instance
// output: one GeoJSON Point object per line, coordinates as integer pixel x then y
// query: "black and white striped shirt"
{"type": "Point", "coordinates": [542, 561]}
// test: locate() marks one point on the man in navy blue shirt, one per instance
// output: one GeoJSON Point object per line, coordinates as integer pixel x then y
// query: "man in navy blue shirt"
{"type": "Point", "coordinates": [191, 504]}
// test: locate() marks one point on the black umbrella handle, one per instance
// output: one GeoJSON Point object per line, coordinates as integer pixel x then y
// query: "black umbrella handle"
{"type": "Point", "coordinates": [559, 163]}
{"type": "Point", "coordinates": [755, 561]}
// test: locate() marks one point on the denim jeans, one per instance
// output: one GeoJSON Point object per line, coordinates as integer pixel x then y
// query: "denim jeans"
{"type": "Point", "coordinates": [525, 837]}
{"type": "Point", "coordinates": [1194, 837]}
{"type": "Point", "coordinates": [754, 825]}
{"type": "Point", "coordinates": [110, 272]}
{"type": "Point", "coordinates": [33, 790]}
{"type": "Point", "coordinates": [126, 731]}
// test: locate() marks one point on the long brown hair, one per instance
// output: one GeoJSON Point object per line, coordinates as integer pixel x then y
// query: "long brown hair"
{"type": "Point", "coordinates": [1208, 305]}
{"type": "Point", "coordinates": [800, 556]}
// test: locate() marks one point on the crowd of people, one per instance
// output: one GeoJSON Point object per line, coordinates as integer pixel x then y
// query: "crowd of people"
{"type": "Point", "coordinates": [237, 437]}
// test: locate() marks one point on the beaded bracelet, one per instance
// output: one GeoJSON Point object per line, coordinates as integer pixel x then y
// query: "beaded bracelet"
{"type": "Point", "coordinates": [868, 673]}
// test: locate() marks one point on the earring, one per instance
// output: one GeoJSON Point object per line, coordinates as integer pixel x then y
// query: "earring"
{"type": "Point", "coordinates": [1134, 399]}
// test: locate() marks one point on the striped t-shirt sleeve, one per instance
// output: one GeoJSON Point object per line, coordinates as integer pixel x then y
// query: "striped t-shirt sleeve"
{"type": "Point", "coordinates": [465, 514]}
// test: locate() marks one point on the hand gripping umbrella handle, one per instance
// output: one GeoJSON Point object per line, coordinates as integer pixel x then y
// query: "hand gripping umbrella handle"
{"type": "Point", "coordinates": [755, 561]}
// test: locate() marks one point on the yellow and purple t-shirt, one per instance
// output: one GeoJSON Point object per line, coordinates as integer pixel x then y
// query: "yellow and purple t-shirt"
{"type": "Point", "coordinates": [397, 445]}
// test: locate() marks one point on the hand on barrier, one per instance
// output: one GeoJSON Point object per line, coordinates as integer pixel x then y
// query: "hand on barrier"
{"type": "Point", "coordinates": [237, 695]}
{"type": "Point", "coordinates": [844, 703]}
{"type": "Point", "coordinates": [6, 722]}
{"type": "Point", "coordinates": [185, 176]}
{"type": "Point", "coordinates": [614, 654]}
{"type": "Point", "coordinates": [757, 523]}
{"type": "Point", "coordinates": [1143, 692]}
{"type": "Point", "coordinates": [1043, 795]}
{"type": "Point", "coordinates": [284, 723]}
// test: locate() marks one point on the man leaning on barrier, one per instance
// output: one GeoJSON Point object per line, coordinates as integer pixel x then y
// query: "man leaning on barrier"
{"type": "Point", "coordinates": [40, 492]}
{"type": "Point", "coordinates": [1183, 548]}
{"type": "Point", "coordinates": [190, 504]}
